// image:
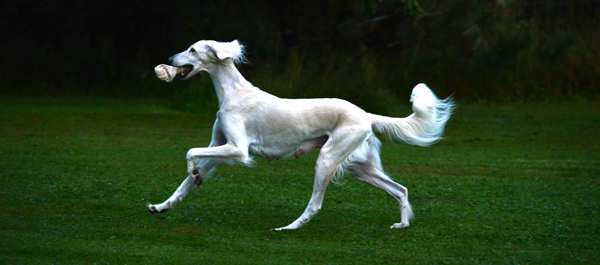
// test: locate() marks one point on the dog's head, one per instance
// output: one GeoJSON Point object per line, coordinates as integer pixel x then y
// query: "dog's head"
{"type": "Point", "coordinates": [205, 55]}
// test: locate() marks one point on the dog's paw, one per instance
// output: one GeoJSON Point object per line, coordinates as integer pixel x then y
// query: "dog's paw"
{"type": "Point", "coordinates": [289, 227]}
{"type": "Point", "coordinates": [399, 225]}
{"type": "Point", "coordinates": [154, 210]}
{"type": "Point", "coordinates": [281, 229]}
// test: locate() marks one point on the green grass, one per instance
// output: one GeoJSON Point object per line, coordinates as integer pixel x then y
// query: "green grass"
{"type": "Point", "coordinates": [512, 183]}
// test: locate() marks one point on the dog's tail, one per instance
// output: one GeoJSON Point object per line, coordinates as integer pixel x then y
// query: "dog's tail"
{"type": "Point", "coordinates": [425, 126]}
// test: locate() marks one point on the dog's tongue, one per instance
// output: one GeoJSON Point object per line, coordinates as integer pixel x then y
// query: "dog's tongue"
{"type": "Point", "coordinates": [184, 70]}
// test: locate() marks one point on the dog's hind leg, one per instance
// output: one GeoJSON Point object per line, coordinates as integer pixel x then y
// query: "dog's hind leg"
{"type": "Point", "coordinates": [322, 179]}
{"type": "Point", "coordinates": [335, 151]}
{"type": "Point", "coordinates": [371, 173]}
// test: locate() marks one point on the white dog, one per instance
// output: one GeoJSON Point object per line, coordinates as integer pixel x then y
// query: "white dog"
{"type": "Point", "coordinates": [253, 122]}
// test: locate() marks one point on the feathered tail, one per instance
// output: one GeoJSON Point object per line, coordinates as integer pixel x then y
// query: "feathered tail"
{"type": "Point", "coordinates": [425, 126]}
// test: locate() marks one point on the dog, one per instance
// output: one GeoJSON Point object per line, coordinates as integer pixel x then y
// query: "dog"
{"type": "Point", "coordinates": [251, 122]}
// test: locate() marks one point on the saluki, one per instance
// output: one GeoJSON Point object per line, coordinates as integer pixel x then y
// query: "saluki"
{"type": "Point", "coordinates": [253, 122]}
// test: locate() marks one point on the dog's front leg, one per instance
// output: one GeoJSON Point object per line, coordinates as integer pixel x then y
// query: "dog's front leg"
{"type": "Point", "coordinates": [217, 139]}
{"type": "Point", "coordinates": [178, 196]}
{"type": "Point", "coordinates": [192, 168]}
{"type": "Point", "coordinates": [208, 157]}
{"type": "Point", "coordinates": [204, 169]}
{"type": "Point", "coordinates": [224, 152]}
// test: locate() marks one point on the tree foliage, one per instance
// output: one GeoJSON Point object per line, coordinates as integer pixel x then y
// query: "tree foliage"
{"type": "Point", "coordinates": [496, 50]}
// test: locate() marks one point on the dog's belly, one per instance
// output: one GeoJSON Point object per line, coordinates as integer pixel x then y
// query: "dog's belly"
{"type": "Point", "coordinates": [278, 150]}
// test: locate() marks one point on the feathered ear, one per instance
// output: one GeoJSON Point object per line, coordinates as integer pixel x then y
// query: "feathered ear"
{"type": "Point", "coordinates": [224, 50]}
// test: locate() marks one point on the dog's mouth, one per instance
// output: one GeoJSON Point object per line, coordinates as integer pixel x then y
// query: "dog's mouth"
{"type": "Point", "coordinates": [186, 70]}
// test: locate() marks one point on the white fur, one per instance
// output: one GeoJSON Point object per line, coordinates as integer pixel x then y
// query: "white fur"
{"type": "Point", "coordinates": [253, 122]}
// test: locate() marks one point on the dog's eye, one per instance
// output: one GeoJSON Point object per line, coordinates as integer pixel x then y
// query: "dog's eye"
{"type": "Point", "coordinates": [192, 50]}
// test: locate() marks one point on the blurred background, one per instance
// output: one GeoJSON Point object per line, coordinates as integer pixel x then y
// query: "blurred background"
{"type": "Point", "coordinates": [371, 52]}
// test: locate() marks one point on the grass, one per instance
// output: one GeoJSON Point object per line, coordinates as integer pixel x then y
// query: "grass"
{"type": "Point", "coordinates": [512, 183]}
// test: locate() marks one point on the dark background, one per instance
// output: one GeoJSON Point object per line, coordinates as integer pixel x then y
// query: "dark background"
{"type": "Point", "coordinates": [371, 51]}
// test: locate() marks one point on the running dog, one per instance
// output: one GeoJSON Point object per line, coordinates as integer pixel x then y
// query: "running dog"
{"type": "Point", "coordinates": [251, 122]}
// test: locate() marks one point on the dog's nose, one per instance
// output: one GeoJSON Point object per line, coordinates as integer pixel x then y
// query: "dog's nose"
{"type": "Point", "coordinates": [171, 60]}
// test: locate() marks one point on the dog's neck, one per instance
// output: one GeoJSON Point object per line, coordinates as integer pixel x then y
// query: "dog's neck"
{"type": "Point", "coordinates": [228, 80]}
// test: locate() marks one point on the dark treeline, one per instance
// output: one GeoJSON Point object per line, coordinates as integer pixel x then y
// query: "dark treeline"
{"type": "Point", "coordinates": [364, 51]}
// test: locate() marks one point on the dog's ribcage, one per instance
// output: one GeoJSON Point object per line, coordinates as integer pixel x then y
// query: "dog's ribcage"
{"type": "Point", "coordinates": [281, 128]}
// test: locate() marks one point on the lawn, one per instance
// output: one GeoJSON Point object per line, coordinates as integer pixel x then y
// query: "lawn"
{"type": "Point", "coordinates": [512, 183]}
